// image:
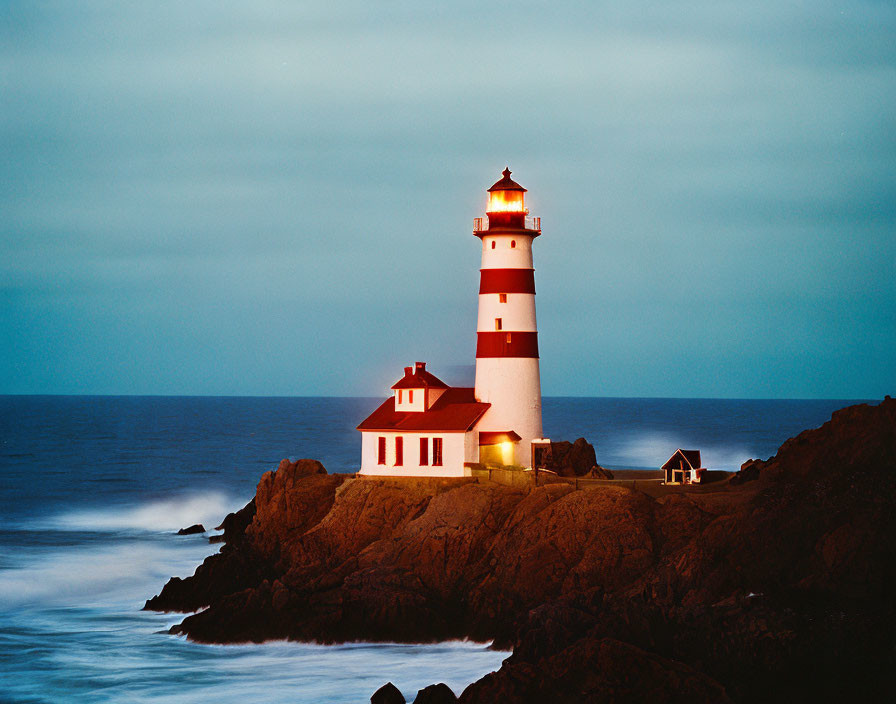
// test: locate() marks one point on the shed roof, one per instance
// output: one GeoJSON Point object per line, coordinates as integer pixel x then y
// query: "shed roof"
{"type": "Point", "coordinates": [493, 437]}
{"type": "Point", "coordinates": [456, 410]}
{"type": "Point", "coordinates": [691, 458]}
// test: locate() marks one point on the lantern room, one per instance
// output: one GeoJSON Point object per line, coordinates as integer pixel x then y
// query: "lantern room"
{"type": "Point", "coordinates": [506, 196]}
{"type": "Point", "coordinates": [506, 211]}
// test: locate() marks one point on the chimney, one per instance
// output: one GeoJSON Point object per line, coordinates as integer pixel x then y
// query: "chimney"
{"type": "Point", "coordinates": [408, 371]}
{"type": "Point", "coordinates": [421, 366]}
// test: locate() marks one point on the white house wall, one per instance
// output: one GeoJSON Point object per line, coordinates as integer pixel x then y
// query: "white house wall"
{"type": "Point", "coordinates": [454, 450]}
{"type": "Point", "coordinates": [471, 446]}
{"type": "Point", "coordinates": [419, 404]}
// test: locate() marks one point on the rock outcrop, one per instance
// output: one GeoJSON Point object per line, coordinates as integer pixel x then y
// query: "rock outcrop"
{"type": "Point", "coordinates": [387, 694]}
{"type": "Point", "coordinates": [779, 588]}
{"type": "Point", "coordinates": [435, 694]}
{"type": "Point", "coordinates": [192, 530]}
{"type": "Point", "coordinates": [576, 459]}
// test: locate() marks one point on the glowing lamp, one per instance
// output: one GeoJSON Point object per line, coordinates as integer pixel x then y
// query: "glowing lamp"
{"type": "Point", "coordinates": [506, 202]}
{"type": "Point", "coordinates": [507, 452]}
{"type": "Point", "coordinates": [506, 196]}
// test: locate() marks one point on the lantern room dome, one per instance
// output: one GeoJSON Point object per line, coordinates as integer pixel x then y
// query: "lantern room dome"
{"type": "Point", "coordinates": [506, 183]}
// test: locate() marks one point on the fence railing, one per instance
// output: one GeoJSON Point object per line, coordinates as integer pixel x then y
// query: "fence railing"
{"type": "Point", "coordinates": [481, 224]}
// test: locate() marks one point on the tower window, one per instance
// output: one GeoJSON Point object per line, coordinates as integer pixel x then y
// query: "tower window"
{"type": "Point", "coordinates": [399, 451]}
{"type": "Point", "coordinates": [424, 452]}
{"type": "Point", "coordinates": [508, 338]}
{"type": "Point", "coordinates": [498, 323]}
{"type": "Point", "coordinates": [513, 244]}
{"type": "Point", "coordinates": [493, 244]}
{"type": "Point", "coordinates": [502, 298]}
{"type": "Point", "coordinates": [381, 451]}
{"type": "Point", "coordinates": [437, 452]}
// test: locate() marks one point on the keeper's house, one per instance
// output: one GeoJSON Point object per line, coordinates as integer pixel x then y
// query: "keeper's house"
{"type": "Point", "coordinates": [425, 429]}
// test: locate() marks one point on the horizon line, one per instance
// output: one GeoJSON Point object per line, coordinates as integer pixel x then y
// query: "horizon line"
{"type": "Point", "coordinates": [302, 396]}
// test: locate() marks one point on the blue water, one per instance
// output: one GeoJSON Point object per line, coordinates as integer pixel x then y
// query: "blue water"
{"type": "Point", "coordinates": [94, 487]}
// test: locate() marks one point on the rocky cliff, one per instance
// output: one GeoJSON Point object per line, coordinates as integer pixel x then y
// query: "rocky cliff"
{"type": "Point", "coordinates": [776, 586]}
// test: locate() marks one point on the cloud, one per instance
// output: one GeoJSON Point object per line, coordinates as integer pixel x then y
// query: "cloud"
{"type": "Point", "coordinates": [715, 165]}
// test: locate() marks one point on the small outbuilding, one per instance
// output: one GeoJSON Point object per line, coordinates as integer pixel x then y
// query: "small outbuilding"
{"type": "Point", "coordinates": [683, 467]}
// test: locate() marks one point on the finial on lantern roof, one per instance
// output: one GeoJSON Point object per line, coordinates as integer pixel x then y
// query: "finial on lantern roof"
{"type": "Point", "coordinates": [506, 183]}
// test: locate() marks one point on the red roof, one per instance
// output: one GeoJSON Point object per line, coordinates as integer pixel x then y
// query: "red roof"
{"type": "Point", "coordinates": [456, 410]}
{"type": "Point", "coordinates": [493, 437]}
{"type": "Point", "coordinates": [417, 377]}
{"type": "Point", "coordinates": [692, 457]}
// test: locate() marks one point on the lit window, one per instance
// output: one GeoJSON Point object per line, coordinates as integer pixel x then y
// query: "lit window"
{"type": "Point", "coordinates": [410, 395]}
{"type": "Point", "coordinates": [437, 452]}
{"type": "Point", "coordinates": [424, 451]}
{"type": "Point", "coordinates": [508, 338]}
{"type": "Point", "coordinates": [498, 323]}
{"type": "Point", "coordinates": [399, 451]}
{"type": "Point", "coordinates": [381, 451]}
{"type": "Point", "coordinates": [513, 244]}
{"type": "Point", "coordinates": [502, 298]}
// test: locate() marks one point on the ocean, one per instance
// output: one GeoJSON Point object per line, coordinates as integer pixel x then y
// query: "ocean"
{"type": "Point", "coordinates": [94, 488]}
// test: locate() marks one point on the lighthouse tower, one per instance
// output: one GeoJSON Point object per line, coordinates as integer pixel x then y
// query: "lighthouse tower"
{"type": "Point", "coordinates": [507, 375]}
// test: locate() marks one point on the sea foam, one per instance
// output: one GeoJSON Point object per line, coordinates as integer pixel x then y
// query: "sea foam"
{"type": "Point", "coordinates": [120, 572]}
{"type": "Point", "coordinates": [163, 515]}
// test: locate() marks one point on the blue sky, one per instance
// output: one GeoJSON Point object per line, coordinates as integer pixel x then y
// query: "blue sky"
{"type": "Point", "coordinates": [276, 198]}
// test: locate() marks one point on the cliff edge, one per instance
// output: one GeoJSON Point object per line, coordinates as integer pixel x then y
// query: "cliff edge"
{"type": "Point", "coordinates": [776, 587]}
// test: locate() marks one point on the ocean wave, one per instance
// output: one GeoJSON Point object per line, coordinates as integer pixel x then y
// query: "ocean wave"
{"type": "Point", "coordinates": [163, 515]}
{"type": "Point", "coordinates": [124, 571]}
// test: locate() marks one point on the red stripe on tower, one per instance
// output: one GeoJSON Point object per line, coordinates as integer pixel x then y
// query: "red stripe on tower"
{"type": "Point", "coordinates": [507, 281]}
{"type": "Point", "coordinates": [506, 344]}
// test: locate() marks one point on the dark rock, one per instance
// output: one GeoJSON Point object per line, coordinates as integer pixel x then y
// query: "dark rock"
{"type": "Point", "coordinates": [192, 530]}
{"type": "Point", "coordinates": [775, 589]}
{"type": "Point", "coordinates": [234, 524]}
{"type": "Point", "coordinates": [597, 670]}
{"type": "Point", "coordinates": [598, 472]}
{"type": "Point", "coordinates": [216, 539]}
{"type": "Point", "coordinates": [436, 694]}
{"type": "Point", "coordinates": [572, 459]}
{"type": "Point", "coordinates": [749, 472]}
{"type": "Point", "coordinates": [387, 694]}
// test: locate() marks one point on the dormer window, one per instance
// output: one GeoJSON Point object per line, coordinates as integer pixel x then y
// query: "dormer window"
{"type": "Point", "coordinates": [418, 390]}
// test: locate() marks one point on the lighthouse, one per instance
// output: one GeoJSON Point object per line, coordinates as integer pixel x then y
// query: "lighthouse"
{"type": "Point", "coordinates": [429, 429]}
{"type": "Point", "coordinates": [507, 373]}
